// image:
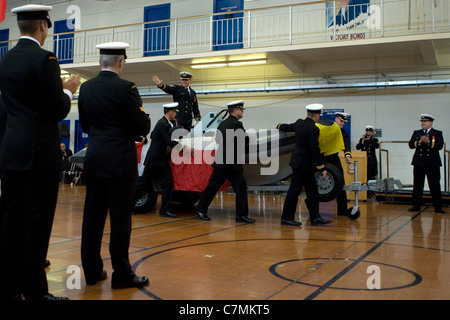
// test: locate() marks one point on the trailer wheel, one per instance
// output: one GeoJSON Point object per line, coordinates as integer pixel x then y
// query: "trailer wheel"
{"type": "Point", "coordinates": [330, 187]}
{"type": "Point", "coordinates": [146, 202]}
{"type": "Point", "coordinates": [353, 213]}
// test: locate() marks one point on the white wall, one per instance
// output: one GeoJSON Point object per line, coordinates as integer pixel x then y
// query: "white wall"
{"type": "Point", "coordinates": [396, 112]}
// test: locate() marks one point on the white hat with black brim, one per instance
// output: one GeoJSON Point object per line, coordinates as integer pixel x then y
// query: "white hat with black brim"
{"type": "Point", "coordinates": [185, 75]}
{"type": "Point", "coordinates": [314, 107]}
{"type": "Point", "coordinates": [33, 12]}
{"type": "Point", "coordinates": [236, 104]}
{"type": "Point", "coordinates": [170, 107]}
{"type": "Point", "coordinates": [113, 48]}
{"type": "Point", "coordinates": [426, 117]}
{"type": "Point", "coordinates": [343, 116]}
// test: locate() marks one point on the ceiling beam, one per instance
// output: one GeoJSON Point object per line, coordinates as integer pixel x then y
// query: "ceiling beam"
{"type": "Point", "coordinates": [428, 52]}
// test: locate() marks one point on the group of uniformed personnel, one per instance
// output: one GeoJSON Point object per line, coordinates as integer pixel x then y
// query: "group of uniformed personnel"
{"type": "Point", "coordinates": [111, 112]}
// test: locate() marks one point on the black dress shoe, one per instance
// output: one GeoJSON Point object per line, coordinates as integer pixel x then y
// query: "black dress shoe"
{"type": "Point", "coordinates": [203, 216]}
{"type": "Point", "coordinates": [290, 223]}
{"type": "Point", "coordinates": [134, 282]}
{"type": "Point", "coordinates": [414, 209]}
{"type": "Point", "coordinates": [103, 275]}
{"type": "Point", "coordinates": [47, 263]}
{"type": "Point", "coordinates": [14, 297]}
{"type": "Point", "coordinates": [168, 214]}
{"type": "Point", "coordinates": [439, 210]}
{"type": "Point", "coordinates": [245, 219]}
{"type": "Point", "coordinates": [320, 220]}
{"type": "Point", "coordinates": [51, 297]}
{"type": "Point", "coordinates": [47, 297]}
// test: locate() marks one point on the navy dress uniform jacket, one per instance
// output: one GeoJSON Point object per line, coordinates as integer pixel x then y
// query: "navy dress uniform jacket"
{"type": "Point", "coordinates": [305, 161]}
{"type": "Point", "coordinates": [306, 154]}
{"type": "Point", "coordinates": [370, 147]}
{"type": "Point", "coordinates": [427, 155]}
{"type": "Point", "coordinates": [2, 125]}
{"type": "Point", "coordinates": [30, 156]}
{"type": "Point", "coordinates": [187, 104]}
{"type": "Point", "coordinates": [347, 147]}
{"type": "Point", "coordinates": [113, 122]}
{"type": "Point", "coordinates": [158, 155]}
{"type": "Point", "coordinates": [223, 158]}
{"type": "Point", "coordinates": [35, 102]}
{"type": "Point", "coordinates": [228, 166]}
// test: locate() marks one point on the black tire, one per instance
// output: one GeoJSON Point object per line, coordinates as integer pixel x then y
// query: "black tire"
{"type": "Point", "coordinates": [330, 187]}
{"type": "Point", "coordinates": [353, 215]}
{"type": "Point", "coordinates": [146, 202]}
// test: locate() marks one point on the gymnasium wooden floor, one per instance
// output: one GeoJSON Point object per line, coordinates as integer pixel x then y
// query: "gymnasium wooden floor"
{"type": "Point", "coordinates": [406, 253]}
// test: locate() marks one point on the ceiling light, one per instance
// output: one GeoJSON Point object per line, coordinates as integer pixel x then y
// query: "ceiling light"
{"type": "Point", "coordinates": [229, 64]}
{"type": "Point", "coordinates": [211, 65]}
{"type": "Point", "coordinates": [247, 63]}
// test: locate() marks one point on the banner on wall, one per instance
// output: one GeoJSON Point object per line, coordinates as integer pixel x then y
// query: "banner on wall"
{"type": "Point", "coordinates": [3, 4]}
{"type": "Point", "coordinates": [350, 19]}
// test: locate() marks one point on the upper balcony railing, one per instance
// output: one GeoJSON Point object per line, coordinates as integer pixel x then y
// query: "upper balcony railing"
{"type": "Point", "coordinates": [314, 22]}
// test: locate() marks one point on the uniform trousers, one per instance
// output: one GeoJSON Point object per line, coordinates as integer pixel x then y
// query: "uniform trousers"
{"type": "Point", "coordinates": [301, 178]}
{"type": "Point", "coordinates": [29, 199]}
{"type": "Point", "coordinates": [217, 179]}
{"type": "Point", "coordinates": [146, 181]}
{"type": "Point", "coordinates": [115, 194]}
{"type": "Point", "coordinates": [433, 175]}
{"type": "Point", "coordinates": [372, 168]}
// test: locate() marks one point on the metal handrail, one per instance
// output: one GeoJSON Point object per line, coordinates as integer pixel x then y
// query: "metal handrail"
{"type": "Point", "coordinates": [387, 158]}
{"type": "Point", "coordinates": [394, 20]}
{"type": "Point", "coordinates": [446, 162]}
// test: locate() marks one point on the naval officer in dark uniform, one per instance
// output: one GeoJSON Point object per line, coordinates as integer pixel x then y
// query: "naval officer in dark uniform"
{"type": "Point", "coordinates": [157, 160]}
{"type": "Point", "coordinates": [36, 99]}
{"type": "Point", "coordinates": [111, 112]}
{"type": "Point", "coordinates": [427, 162]}
{"type": "Point", "coordinates": [186, 98]}
{"type": "Point", "coordinates": [341, 118]}
{"type": "Point", "coordinates": [228, 164]}
{"type": "Point", "coordinates": [369, 144]}
{"type": "Point", "coordinates": [305, 161]}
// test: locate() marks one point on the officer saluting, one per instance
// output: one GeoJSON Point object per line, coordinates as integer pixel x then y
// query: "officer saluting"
{"type": "Point", "coordinates": [36, 99]}
{"type": "Point", "coordinates": [186, 98]}
{"type": "Point", "coordinates": [427, 162]}
{"type": "Point", "coordinates": [111, 112]}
